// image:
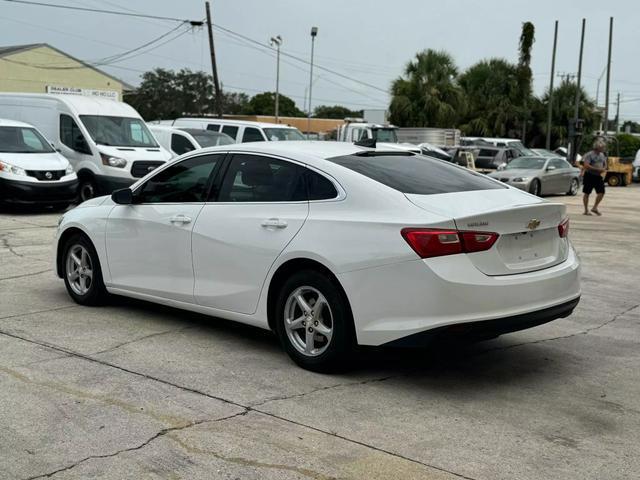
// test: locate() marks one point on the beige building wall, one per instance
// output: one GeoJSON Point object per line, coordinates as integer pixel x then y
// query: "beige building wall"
{"type": "Point", "coordinates": [19, 72]}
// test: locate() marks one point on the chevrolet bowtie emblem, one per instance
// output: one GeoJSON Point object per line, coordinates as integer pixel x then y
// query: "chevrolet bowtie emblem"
{"type": "Point", "coordinates": [533, 224]}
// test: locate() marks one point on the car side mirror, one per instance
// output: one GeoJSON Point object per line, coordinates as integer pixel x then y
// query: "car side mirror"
{"type": "Point", "coordinates": [123, 196]}
{"type": "Point", "coordinates": [502, 166]}
{"type": "Point", "coordinates": [550, 168]}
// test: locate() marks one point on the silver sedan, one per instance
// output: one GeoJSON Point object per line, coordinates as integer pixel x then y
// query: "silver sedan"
{"type": "Point", "coordinates": [540, 175]}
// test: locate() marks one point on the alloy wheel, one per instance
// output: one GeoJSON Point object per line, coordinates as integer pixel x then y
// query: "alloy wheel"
{"type": "Point", "coordinates": [79, 269]}
{"type": "Point", "coordinates": [574, 187]}
{"type": "Point", "coordinates": [308, 321]}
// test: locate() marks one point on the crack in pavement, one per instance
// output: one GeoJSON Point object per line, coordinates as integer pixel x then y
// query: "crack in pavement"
{"type": "Point", "coordinates": [128, 342]}
{"type": "Point", "coordinates": [246, 408]}
{"type": "Point", "coordinates": [586, 331]}
{"type": "Point", "coordinates": [39, 311]}
{"type": "Point", "coordinates": [27, 274]}
{"type": "Point", "coordinates": [154, 437]}
{"type": "Point", "coordinates": [4, 242]}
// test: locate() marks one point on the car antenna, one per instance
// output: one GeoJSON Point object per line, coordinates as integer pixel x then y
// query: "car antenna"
{"type": "Point", "coordinates": [366, 142]}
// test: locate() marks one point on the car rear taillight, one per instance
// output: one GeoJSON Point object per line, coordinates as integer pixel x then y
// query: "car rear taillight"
{"type": "Point", "coordinates": [563, 228]}
{"type": "Point", "coordinates": [428, 242]}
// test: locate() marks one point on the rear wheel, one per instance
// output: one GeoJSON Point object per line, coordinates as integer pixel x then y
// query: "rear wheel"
{"type": "Point", "coordinates": [613, 180]}
{"type": "Point", "coordinates": [534, 188]}
{"type": "Point", "coordinates": [314, 322]}
{"type": "Point", "coordinates": [82, 273]}
{"type": "Point", "coordinates": [573, 187]}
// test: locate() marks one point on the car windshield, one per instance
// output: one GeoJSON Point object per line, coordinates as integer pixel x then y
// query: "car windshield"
{"type": "Point", "coordinates": [212, 139]}
{"type": "Point", "coordinates": [415, 174]}
{"type": "Point", "coordinates": [385, 135]}
{"type": "Point", "coordinates": [118, 131]}
{"type": "Point", "coordinates": [528, 163]}
{"type": "Point", "coordinates": [23, 140]}
{"type": "Point", "coordinates": [280, 134]}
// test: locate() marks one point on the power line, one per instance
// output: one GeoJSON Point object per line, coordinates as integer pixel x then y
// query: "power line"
{"type": "Point", "coordinates": [109, 12]}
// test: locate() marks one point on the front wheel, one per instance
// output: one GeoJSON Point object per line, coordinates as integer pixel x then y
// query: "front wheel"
{"type": "Point", "coordinates": [534, 188]}
{"type": "Point", "coordinates": [314, 322]}
{"type": "Point", "coordinates": [87, 189]}
{"type": "Point", "coordinates": [573, 187]}
{"type": "Point", "coordinates": [82, 273]}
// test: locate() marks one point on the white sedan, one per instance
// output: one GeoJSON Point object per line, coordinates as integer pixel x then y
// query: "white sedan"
{"type": "Point", "coordinates": [328, 244]}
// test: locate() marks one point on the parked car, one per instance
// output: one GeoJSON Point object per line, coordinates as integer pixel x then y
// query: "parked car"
{"type": "Point", "coordinates": [31, 171]}
{"type": "Point", "coordinates": [563, 152]}
{"type": "Point", "coordinates": [242, 131]}
{"type": "Point", "coordinates": [305, 238]}
{"type": "Point", "coordinates": [636, 167]}
{"type": "Point", "coordinates": [106, 141]}
{"type": "Point", "coordinates": [512, 143]}
{"type": "Point", "coordinates": [179, 140]}
{"type": "Point", "coordinates": [491, 158]}
{"type": "Point", "coordinates": [540, 175]}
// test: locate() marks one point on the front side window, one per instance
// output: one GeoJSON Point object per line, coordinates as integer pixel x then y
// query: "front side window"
{"type": "Point", "coordinates": [181, 144]}
{"type": "Point", "coordinates": [71, 135]}
{"type": "Point", "coordinates": [252, 135]}
{"type": "Point", "coordinates": [183, 182]}
{"type": "Point", "coordinates": [118, 131]}
{"type": "Point", "coordinates": [528, 163]}
{"type": "Point", "coordinates": [251, 178]}
{"type": "Point", "coordinates": [416, 174]}
{"type": "Point", "coordinates": [283, 134]}
{"type": "Point", "coordinates": [559, 163]}
{"type": "Point", "coordinates": [22, 140]}
{"type": "Point", "coordinates": [385, 135]}
{"type": "Point", "coordinates": [230, 130]}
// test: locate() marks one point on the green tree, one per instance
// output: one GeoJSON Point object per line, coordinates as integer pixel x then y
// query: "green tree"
{"type": "Point", "coordinates": [427, 95]}
{"type": "Point", "coordinates": [335, 111]}
{"type": "Point", "coordinates": [494, 99]}
{"type": "Point", "coordinates": [167, 94]}
{"type": "Point", "coordinates": [265, 104]}
{"type": "Point", "coordinates": [524, 73]}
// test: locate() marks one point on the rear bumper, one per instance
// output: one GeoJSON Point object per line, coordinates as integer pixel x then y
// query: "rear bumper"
{"type": "Point", "coordinates": [399, 300]}
{"type": "Point", "coordinates": [488, 328]}
{"type": "Point", "coordinates": [38, 193]}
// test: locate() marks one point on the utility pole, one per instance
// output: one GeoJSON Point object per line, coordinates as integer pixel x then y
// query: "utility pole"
{"type": "Point", "coordinates": [618, 114]}
{"type": "Point", "coordinates": [214, 68]}
{"type": "Point", "coordinates": [606, 97]}
{"type": "Point", "coordinates": [277, 41]}
{"type": "Point", "coordinates": [575, 127]}
{"type": "Point", "coordinates": [314, 32]}
{"type": "Point", "coordinates": [553, 68]}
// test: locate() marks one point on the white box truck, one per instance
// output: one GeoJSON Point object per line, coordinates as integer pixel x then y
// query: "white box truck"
{"type": "Point", "coordinates": [106, 141]}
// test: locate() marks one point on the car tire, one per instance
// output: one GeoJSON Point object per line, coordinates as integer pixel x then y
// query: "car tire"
{"type": "Point", "coordinates": [613, 180]}
{"type": "Point", "coordinates": [574, 186]}
{"type": "Point", "coordinates": [87, 189]}
{"type": "Point", "coordinates": [534, 188]}
{"type": "Point", "coordinates": [82, 272]}
{"type": "Point", "coordinates": [317, 339]}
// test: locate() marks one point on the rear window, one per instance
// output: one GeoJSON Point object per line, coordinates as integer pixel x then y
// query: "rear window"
{"type": "Point", "coordinates": [416, 174]}
{"type": "Point", "coordinates": [487, 152]}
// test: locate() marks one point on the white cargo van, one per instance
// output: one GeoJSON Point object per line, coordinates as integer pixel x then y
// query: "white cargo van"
{"type": "Point", "coordinates": [242, 131]}
{"type": "Point", "coordinates": [106, 141]}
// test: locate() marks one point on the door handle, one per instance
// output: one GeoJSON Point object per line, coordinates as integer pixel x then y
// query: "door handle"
{"type": "Point", "coordinates": [274, 223]}
{"type": "Point", "coordinates": [180, 219]}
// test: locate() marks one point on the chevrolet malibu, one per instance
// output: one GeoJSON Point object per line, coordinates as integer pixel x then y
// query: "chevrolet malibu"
{"type": "Point", "coordinates": [330, 245]}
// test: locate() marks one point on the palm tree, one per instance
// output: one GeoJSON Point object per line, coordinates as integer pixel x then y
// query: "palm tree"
{"type": "Point", "coordinates": [427, 95]}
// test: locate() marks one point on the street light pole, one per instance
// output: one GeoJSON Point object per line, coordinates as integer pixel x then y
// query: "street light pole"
{"type": "Point", "coordinates": [277, 41]}
{"type": "Point", "coordinates": [314, 33]}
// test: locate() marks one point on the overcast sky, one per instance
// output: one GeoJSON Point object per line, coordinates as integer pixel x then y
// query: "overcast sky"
{"type": "Point", "coordinates": [370, 40]}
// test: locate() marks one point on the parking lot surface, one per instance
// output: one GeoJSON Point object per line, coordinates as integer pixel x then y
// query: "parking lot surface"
{"type": "Point", "coordinates": [134, 390]}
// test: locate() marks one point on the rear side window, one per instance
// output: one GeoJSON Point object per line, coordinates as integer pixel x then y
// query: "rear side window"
{"type": "Point", "coordinates": [230, 130]}
{"type": "Point", "coordinates": [181, 144]}
{"type": "Point", "coordinates": [416, 174]}
{"type": "Point", "coordinates": [487, 153]}
{"type": "Point", "coordinates": [319, 187]}
{"type": "Point", "coordinates": [252, 135]}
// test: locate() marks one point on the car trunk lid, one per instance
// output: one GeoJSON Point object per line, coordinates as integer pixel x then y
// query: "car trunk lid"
{"type": "Point", "coordinates": [528, 227]}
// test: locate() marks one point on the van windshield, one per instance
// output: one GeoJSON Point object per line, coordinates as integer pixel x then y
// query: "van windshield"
{"type": "Point", "coordinates": [387, 135]}
{"type": "Point", "coordinates": [22, 140]}
{"type": "Point", "coordinates": [279, 134]}
{"type": "Point", "coordinates": [118, 131]}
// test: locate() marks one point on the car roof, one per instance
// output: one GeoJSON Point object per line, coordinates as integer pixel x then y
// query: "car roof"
{"type": "Point", "coordinates": [83, 105]}
{"type": "Point", "coordinates": [224, 121]}
{"type": "Point", "coordinates": [5, 122]}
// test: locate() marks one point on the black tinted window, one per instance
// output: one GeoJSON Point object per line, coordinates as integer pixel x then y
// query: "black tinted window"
{"type": "Point", "coordinates": [416, 174]}
{"type": "Point", "coordinates": [319, 187]}
{"type": "Point", "coordinates": [185, 181]}
{"type": "Point", "coordinates": [213, 126]}
{"type": "Point", "coordinates": [262, 179]}
{"type": "Point", "coordinates": [181, 144]}
{"type": "Point", "coordinates": [252, 135]}
{"type": "Point", "coordinates": [71, 135]}
{"type": "Point", "coordinates": [230, 130]}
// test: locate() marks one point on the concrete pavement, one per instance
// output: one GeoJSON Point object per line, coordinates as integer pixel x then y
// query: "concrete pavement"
{"type": "Point", "coordinates": [134, 390]}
